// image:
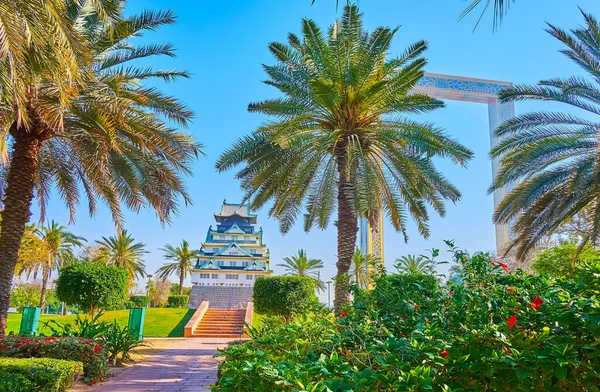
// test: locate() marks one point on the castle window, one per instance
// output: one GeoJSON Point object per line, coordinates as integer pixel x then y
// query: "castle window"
{"type": "Point", "coordinates": [204, 276]}
{"type": "Point", "coordinates": [249, 277]}
{"type": "Point", "coordinates": [215, 276]}
{"type": "Point", "coordinates": [244, 263]}
{"type": "Point", "coordinates": [233, 263]}
{"type": "Point", "coordinates": [232, 276]}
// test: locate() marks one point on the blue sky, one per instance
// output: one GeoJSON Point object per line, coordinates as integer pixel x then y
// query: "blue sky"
{"type": "Point", "coordinates": [223, 44]}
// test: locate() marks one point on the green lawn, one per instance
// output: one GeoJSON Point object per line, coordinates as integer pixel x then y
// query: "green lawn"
{"type": "Point", "coordinates": [159, 322]}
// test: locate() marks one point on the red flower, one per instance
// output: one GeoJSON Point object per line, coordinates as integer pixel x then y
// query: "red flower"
{"type": "Point", "coordinates": [445, 353]}
{"type": "Point", "coordinates": [404, 336]}
{"type": "Point", "coordinates": [536, 304]}
{"type": "Point", "coordinates": [511, 289]}
{"type": "Point", "coordinates": [512, 321]}
{"type": "Point", "coordinates": [504, 267]}
{"type": "Point", "coordinates": [98, 348]}
{"type": "Point", "coordinates": [345, 314]}
{"type": "Point", "coordinates": [506, 351]}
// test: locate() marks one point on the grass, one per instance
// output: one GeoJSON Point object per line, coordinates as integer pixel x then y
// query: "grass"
{"type": "Point", "coordinates": [159, 322]}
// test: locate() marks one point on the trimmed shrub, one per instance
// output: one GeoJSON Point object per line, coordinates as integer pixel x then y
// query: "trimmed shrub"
{"type": "Point", "coordinates": [91, 286]}
{"type": "Point", "coordinates": [38, 374]}
{"type": "Point", "coordinates": [15, 383]}
{"type": "Point", "coordinates": [139, 301]}
{"type": "Point", "coordinates": [177, 301]}
{"type": "Point", "coordinates": [283, 295]}
{"type": "Point", "coordinates": [94, 356]}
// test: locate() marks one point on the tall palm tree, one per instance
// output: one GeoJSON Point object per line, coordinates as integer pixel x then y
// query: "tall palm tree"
{"type": "Point", "coordinates": [59, 243]}
{"type": "Point", "coordinates": [112, 139]}
{"type": "Point", "coordinates": [302, 265]}
{"type": "Point", "coordinates": [500, 7]}
{"type": "Point", "coordinates": [182, 258]}
{"type": "Point", "coordinates": [122, 251]}
{"type": "Point", "coordinates": [411, 264]}
{"type": "Point", "coordinates": [361, 268]}
{"type": "Point", "coordinates": [552, 159]}
{"type": "Point", "coordinates": [338, 138]}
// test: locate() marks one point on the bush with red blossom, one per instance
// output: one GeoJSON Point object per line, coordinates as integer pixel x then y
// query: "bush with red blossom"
{"type": "Point", "coordinates": [484, 330]}
{"type": "Point", "coordinates": [93, 355]}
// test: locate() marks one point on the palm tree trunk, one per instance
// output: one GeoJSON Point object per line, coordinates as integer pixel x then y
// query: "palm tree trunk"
{"type": "Point", "coordinates": [17, 209]}
{"type": "Point", "coordinates": [44, 288]}
{"type": "Point", "coordinates": [347, 227]}
{"type": "Point", "coordinates": [181, 282]}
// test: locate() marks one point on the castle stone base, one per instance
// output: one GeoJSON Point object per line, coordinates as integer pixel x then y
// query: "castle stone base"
{"type": "Point", "coordinates": [222, 297]}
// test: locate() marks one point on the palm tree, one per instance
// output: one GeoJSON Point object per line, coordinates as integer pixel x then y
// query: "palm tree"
{"type": "Point", "coordinates": [113, 141]}
{"type": "Point", "coordinates": [411, 264]}
{"type": "Point", "coordinates": [122, 251]}
{"type": "Point", "coordinates": [501, 7]}
{"type": "Point", "coordinates": [361, 268]}
{"type": "Point", "coordinates": [301, 265]}
{"type": "Point", "coordinates": [59, 243]}
{"type": "Point", "coordinates": [339, 140]}
{"type": "Point", "coordinates": [552, 159]}
{"type": "Point", "coordinates": [183, 262]}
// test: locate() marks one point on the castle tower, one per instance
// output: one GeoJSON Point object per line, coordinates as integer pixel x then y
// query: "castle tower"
{"type": "Point", "coordinates": [232, 256]}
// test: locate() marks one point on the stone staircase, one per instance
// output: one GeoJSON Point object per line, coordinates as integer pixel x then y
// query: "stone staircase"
{"type": "Point", "coordinates": [210, 322]}
{"type": "Point", "coordinates": [221, 323]}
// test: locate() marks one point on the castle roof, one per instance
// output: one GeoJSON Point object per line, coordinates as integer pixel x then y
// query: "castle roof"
{"type": "Point", "coordinates": [232, 245]}
{"type": "Point", "coordinates": [232, 209]}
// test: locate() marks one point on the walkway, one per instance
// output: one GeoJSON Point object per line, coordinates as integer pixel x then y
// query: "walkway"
{"type": "Point", "coordinates": [187, 366]}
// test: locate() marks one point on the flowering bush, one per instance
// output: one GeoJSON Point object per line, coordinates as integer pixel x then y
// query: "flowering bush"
{"type": "Point", "coordinates": [485, 330]}
{"type": "Point", "coordinates": [37, 374]}
{"type": "Point", "coordinates": [94, 356]}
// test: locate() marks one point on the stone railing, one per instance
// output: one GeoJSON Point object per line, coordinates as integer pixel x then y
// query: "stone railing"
{"type": "Point", "coordinates": [248, 316]}
{"type": "Point", "coordinates": [191, 325]}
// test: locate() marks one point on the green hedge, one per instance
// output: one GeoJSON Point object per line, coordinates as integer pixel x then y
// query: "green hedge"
{"type": "Point", "coordinates": [177, 301]}
{"type": "Point", "coordinates": [38, 374]}
{"type": "Point", "coordinates": [93, 355]}
{"type": "Point", "coordinates": [15, 383]}
{"type": "Point", "coordinates": [139, 301]}
{"type": "Point", "coordinates": [283, 295]}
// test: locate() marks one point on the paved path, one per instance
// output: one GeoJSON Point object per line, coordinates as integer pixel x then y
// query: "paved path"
{"type": "Point", "coordinates": [186, 366]}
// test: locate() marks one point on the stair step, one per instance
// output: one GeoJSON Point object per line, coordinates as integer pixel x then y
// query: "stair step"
{"type": "Point", "coordinates": [221, 323]}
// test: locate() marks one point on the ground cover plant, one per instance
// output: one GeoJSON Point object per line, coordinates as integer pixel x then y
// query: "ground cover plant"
{"type": "Point", "coordinates": [484, 330]}
{"type": "Point", "coordinates": [92, 354]}
{"type": "Point", "coordinates": [37, 374]}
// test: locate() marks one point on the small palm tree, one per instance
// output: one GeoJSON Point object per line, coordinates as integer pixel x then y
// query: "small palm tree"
{"type": "Point", "coordinates": [340, 141]}
{"type": "Point", "coordinates": [411, 264]}
{"type": "Point", "coordinates": [301, 265]}
{"type": "Point", "coordinates": [361, 268]}
{"type": "Point", "coordinates": [122, 251]}
{"type": "Point", "coordinates": [95, 128]}
{"type": "Point", "coordinates": [182, 258]}
{"type": "Point", "coordinates": [59, 243]}
{"type": "Point", "coordinates": [552, 159]}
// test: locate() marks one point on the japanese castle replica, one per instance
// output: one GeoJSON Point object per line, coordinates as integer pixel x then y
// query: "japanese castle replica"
{"type": "Point", "coordinates": [232, 256]}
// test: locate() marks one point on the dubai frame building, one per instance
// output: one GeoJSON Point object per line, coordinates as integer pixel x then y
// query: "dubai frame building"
{"type": "Point", "coordinates": [455, 88]}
